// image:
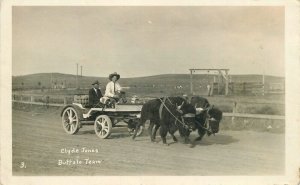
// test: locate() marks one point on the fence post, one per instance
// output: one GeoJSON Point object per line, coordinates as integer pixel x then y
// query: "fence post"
{"type": "Point", "coordinates": [31, 98]}
{"type": "Point", "coordinates": [65, 100]}
{"type": "Point", "coordinates": [47, 101]}
{"type": "Point", "coordinates": [233, 112]}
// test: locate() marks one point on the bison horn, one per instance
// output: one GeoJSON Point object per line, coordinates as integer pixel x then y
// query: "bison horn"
{"type": "Point", "coordinates": [179, 107]}
{"type": "Point", "coordinates": [180, 111]}
{"type": "Point", "coordinates": [199, 110]}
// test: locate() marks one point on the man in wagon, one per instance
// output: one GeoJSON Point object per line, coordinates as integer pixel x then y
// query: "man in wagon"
{"type": "Point", "coordinates": [113, 89]}
{"type": "Point", "coordinates": [95, 94]}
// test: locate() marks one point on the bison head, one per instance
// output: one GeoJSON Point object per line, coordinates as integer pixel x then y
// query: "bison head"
{"type": "Point", "coordinates": [199, 101]}
{"type": "Point", "coordinates": [188, 115]}
{"type": "Point", "coordinates": [209, 118]}
{"type": "Point", "coordinates": [215, 116]}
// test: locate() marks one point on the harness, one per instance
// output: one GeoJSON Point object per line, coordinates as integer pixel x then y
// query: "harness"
{"type": "Point", "coordinates": [176, 119]}
{"type": "Point", "coordinates": [206, 124]}
{"type": "Point", "coordinates": [205, 128]}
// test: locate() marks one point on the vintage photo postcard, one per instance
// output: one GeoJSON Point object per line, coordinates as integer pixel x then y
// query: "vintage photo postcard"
{"type": "Point", "coordinates": [127, 92]}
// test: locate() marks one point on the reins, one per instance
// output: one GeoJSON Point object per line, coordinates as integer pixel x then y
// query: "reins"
{"type": "Point", "coordinates": [176, 119]}
{"type": "Point", "coordinates": [203, 126]}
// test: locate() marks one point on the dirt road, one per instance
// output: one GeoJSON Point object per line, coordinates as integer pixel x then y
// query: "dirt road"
{"type": "Point", "coordinates": [41, 147]}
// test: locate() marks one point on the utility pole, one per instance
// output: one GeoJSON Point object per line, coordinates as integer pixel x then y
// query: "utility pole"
{"type": "Point", "coordinates": [263, 83]}
{"type": "Point", "coordinates": [77, 76]}
{"type": "Point", "coordinates": [81, 71]}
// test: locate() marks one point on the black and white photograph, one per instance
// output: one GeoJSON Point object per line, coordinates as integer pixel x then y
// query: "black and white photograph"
{"type": "Point", "coordinates": [175, 91]}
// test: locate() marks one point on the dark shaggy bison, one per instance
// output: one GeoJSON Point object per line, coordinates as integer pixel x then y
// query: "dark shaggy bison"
{"type": "Point", "coordinates": [207, 117]}
{"type": "Point", "coordinates": [171, 114]}
{"type": "Point", "coordinates": [150, 111]}
{"type": "Point", "coordinates": [199, 102]}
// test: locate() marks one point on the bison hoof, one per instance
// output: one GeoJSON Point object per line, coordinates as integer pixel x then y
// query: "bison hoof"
{"type": "Point", "coordinates": [192, 145]}
{"type": "Point", "coordinates": [166, 144]}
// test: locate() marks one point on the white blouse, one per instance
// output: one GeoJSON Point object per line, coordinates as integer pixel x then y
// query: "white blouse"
{"type": "Point", "coordinates": [111, 88]}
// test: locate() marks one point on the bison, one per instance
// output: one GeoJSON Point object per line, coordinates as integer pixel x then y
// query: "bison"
{"type": "Point", "coordinates": [207, 117]}
{"type": "Point", "coordinates": [169, 113]}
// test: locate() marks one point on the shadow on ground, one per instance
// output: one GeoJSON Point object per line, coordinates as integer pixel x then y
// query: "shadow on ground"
{"type": "Point", "coordinates": [217, 139]}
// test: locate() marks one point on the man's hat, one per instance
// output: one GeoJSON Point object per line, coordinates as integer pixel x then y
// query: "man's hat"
{"type": "Point", "coordinates": [96, 82]}
{"type": "Point", "coordinates": [114, 74]}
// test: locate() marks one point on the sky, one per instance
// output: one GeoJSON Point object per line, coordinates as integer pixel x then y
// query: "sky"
{"type": "Point", "coordinates": [144, 41]}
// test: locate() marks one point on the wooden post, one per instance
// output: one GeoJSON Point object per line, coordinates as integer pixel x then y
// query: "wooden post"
{"type": "Point", "coordinates": [65, 100]}
{"type": "Point", "coordinates": [47, 101]}
{"type": "Point", "coordinates": [219, 80]}
{"type": "Point", "coordinates": [226, 82]}
{"type": "Point", "coordinates": [77, 76]}
{"type": "Point", "coordinates": [263, 86]}
{"type": "Point", "coordinates": [233, 112]}
{"type": "Point", "coordinates": [31, 98]}
{"type": "Point", "coordinates": [191, 81]}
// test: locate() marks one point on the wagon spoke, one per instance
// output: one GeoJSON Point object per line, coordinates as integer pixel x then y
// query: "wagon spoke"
{"type": "Point", "coordinates": [68, 114]}
{"type": "Point", "coordinates": [70, 120]}
{"type": "Point", "coordinates": [65, 125]}
{"type": "Point", "coordinates": [71, 113]}
{"type": "Point", "coordinates": [72, 128]}
{"type": "Point", "coordinates": [68, 127]}
{"type": "Point", "coordinates": [101, 132]}
{"type": "Point", "coordinates": [103, 126]}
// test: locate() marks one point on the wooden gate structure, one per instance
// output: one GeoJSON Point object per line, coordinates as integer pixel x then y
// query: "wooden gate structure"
{"type": "Point", "coordinates": [222, 74]}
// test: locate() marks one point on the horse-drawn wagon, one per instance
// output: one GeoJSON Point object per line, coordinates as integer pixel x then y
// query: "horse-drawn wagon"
{"type": "Point", "coordinates": [104, 118]}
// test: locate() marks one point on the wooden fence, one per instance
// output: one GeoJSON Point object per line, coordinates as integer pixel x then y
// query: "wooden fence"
{"type": "Point", "coordinates": [249, 88]}
{"type": "Point", "coordinates": [62, 101]}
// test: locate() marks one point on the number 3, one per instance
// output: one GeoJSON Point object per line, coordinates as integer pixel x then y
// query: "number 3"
{"type": "Point", "coordinates": [22, 165]}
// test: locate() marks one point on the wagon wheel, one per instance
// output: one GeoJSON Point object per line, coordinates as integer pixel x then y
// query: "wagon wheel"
{"type": "Point", "coordinates": [70, 120]}
{"type": "Point", "coordinates": [103, 126]}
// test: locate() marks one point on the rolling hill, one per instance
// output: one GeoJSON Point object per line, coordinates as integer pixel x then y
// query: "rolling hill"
{"type": "Point", "coordinates": [43, 80]}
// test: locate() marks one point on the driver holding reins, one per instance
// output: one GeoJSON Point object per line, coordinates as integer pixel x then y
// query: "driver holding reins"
{"type": "Point", "coordinates": [113, 88]}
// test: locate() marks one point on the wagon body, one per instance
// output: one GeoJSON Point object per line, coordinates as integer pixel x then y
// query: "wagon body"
{"type": "Point", "coordinates": [74, 116]}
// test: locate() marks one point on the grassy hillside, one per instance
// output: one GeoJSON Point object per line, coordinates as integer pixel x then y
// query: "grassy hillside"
{"type": "Point", "coordinates": [143, 86]}
{"type": "Point", "coordinates": [44, 80]}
